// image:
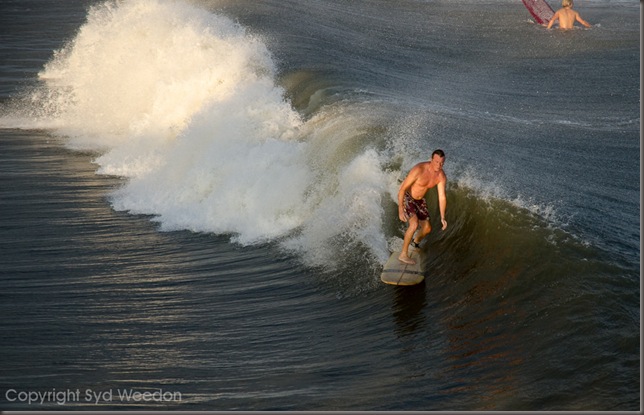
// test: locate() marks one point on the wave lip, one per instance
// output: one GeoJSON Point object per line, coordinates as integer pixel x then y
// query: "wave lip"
{"type": "Point", "coordinates": [145, 67]}
{"type": "Point", "coordinates": [184, 105]}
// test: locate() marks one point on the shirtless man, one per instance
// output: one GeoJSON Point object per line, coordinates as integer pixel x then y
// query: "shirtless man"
{"type": "Point", "coordinates": [412, 207]}
{"type": "Point", "coordinates": [567, 16]}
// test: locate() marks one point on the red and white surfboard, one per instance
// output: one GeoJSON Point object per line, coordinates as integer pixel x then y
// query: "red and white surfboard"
{"type": "Point", "coordinates": [540, 10]}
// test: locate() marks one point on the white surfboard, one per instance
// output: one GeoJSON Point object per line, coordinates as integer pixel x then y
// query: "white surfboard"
{"type": "Point", "coordinates": [396, 272]}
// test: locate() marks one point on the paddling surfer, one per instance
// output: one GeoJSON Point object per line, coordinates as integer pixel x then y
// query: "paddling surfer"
{"type": "Point", "coordinates": [412, 207]}
{"type": "Point", "coordinates": [567, 16]}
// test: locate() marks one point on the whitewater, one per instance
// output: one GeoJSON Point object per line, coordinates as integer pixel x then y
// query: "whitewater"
{"type": "Point", "coordinates": [184, 105]}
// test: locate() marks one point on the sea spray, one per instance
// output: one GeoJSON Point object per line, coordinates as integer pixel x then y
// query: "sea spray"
{"type": "Point", "coordinates": [184, 104]}
{"type": "Point", "coordinates": [350, 218]}
{"type": "Point", "coordinates": [143, 68]}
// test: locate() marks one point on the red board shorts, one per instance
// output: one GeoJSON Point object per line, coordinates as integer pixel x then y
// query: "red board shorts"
{"type": "Point", "coordinates": [413, 207]}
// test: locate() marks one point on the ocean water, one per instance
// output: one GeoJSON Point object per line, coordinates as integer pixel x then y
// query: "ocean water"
{"type": "Point", "coordinates": [198, 196]}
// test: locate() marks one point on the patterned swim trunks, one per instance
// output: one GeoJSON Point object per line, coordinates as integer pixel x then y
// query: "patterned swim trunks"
{"type": "Point", "coordinates": [415, 207]}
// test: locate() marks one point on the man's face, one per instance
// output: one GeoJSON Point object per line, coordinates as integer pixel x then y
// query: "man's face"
{"type": "Point", "coordinates": [437, 163]}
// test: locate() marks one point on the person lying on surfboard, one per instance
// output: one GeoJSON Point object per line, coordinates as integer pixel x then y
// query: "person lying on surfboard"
{"type": "Point", "coordinates": [412, 207]}
{"type": "Point", "coordinates": [567, 16]}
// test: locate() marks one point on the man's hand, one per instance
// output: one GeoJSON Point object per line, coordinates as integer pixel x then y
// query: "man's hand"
{"type": "Point", "coordinates": [444, 222]}
{"type": "Point", "coordinates": [401, 215]}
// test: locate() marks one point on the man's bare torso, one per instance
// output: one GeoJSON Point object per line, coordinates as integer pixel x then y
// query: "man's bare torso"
{"type": "Point", "coordinates": [427, 178]}
{"type": "Point", "coordinates": [567, 18]}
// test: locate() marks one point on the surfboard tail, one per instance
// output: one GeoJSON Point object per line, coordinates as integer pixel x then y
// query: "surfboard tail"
{"type": "Point", "coordinates": [396, 272]}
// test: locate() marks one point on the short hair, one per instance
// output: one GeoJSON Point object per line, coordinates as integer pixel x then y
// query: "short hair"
{"type": "Point", "coordinates": [566, 3]}
{"type": "Point", "coordinates": [438, 152]}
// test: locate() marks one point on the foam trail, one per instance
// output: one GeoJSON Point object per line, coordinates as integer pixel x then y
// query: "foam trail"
{"type": "Point", "coordinates": [183, 103]}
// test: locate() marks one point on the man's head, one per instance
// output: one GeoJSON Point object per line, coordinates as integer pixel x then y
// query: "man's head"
{"type": "Point", "coordinates": [438, 159]}
{"type": "Point", "coordinates": [566, 3]}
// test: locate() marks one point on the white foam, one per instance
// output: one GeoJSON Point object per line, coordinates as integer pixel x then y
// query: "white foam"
{"type": "Point", "coordinates": [145, 67]}
{"type": "Point", "coordinates": [183, 104]}
{"type": "Point", "coordinates": [490, 191]}
{"type": "Point", "coordinates": [350, 216]}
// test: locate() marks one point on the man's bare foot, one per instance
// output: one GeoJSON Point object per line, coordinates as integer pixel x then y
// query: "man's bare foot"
{"type": "Point", "coordinates": [404, 258]}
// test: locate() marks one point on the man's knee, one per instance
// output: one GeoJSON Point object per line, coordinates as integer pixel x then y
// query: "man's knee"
{"type": "Point", "coordinates": [413, 223]}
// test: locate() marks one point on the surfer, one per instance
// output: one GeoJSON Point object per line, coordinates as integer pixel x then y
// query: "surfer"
{"type": "Point", "coordinates": [412, 207]}
{"type": "Point", "coordinates": [567, 16]}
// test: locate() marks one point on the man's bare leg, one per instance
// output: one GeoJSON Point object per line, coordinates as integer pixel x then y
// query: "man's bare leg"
{"type": "Point", "coordinates": [425, 229]}
{"type": "Point", "coordinates": [409, 234]}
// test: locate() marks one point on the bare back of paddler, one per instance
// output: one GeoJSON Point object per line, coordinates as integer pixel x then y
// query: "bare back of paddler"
{"type": "Point", "coordinates": [567, 17]}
